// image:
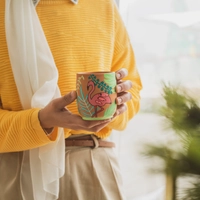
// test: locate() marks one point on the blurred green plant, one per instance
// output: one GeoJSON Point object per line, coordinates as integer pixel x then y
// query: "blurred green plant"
{"type": "Point", "coordinates": [182, 114]}
{"type": "Point", "coordinates": [194, 192]}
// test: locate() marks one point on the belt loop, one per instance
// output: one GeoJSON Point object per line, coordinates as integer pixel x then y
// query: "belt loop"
{"type": "Point", "coordinates": [95, 140]}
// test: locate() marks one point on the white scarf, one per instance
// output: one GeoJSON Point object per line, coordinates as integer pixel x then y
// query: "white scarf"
{"type": "Point", "coordinates": [36, 78]}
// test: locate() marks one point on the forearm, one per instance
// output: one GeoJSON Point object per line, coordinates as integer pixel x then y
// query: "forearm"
{"type": "Point", "coordinates": [124, 58]}
{"type": "Point", "coordinates": [21, 130]}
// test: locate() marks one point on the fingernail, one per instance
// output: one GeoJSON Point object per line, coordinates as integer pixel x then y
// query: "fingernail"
{"type": "Point", "coordinates": [119, 100]}
{"type": "Point", "coordinates": [73, 93]}
{"type": "Point", "coordinates": [119, 88]}
{"type": "Point", "coordinates": [118, 75]}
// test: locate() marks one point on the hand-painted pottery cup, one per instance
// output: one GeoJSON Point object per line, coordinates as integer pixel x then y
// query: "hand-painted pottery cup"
{"type": "Point", "coordinates": [96, 95]}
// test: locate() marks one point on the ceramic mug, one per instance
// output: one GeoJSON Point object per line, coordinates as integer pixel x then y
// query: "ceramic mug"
{"type": "Point", "coordinates": [96, 95]}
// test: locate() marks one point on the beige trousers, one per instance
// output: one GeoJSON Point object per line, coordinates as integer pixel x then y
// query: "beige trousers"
{"type": "Point", "coordinates": [91, 174]}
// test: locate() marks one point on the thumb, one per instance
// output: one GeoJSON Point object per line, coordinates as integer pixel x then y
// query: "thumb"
{"type": "Point", "coordinates": [70, 97]}
{"type": "Point", "coordinates": [66, 99]}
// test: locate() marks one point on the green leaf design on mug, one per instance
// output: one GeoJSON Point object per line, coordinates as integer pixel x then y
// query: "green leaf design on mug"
{"type": "Point", "coordinates": [108, 85]}
{"type": "Point", "coordinates": [110, 80]}
{"type": "Point", "coordinates": [84, 107]}
{"type": "Point", "coordinates": [111, 110]}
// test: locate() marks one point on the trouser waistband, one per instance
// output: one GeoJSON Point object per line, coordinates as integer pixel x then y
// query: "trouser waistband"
{"type": "Point", "coordinates": [88, 141]}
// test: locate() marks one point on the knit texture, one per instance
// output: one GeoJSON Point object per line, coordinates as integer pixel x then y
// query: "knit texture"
{"type": "Point", "coordinates": [89, 36]}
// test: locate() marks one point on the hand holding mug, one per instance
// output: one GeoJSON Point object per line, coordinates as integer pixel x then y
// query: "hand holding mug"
{"type": "Point", "coordinates": [56, 114]}
{"type": "Point", "coordinates": [122, 88]}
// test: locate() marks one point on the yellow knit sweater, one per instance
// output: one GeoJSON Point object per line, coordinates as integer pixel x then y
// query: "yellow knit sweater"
{"type": "Point", "coordinates": [89, 36]}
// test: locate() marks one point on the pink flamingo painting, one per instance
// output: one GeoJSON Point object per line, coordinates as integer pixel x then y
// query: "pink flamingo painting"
{"type": "Point", "coordinates": [97, 100]}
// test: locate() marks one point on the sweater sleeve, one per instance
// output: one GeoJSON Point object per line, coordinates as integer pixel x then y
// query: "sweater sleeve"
{"type": "Point", "coordinates": [124, 58]}
{"type": "Point", "coordinates": [21, 130]}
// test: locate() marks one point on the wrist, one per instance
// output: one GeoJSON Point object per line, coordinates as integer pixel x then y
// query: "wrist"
{"type": "Point", "coordinates": [42, 119]}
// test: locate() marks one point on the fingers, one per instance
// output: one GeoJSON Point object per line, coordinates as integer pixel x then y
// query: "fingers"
{"type": "Point", "coordinates": [98, 127]}
{"type": "Point", "coordinates": [63, 101]}
{"type": "Point", "coordinates": [120, 74]}
{"type": "Point", "coordinates": [124, 86]}
{"type": "Point", "coordinates": [70, 97]}
{"type": "Point", "coordinates": [77, 123]}
{"type": "Point", "coordinates": [123, 98]}
{"type": "Point", "coordinates": [120, 109]}
{"type": "Point", "coordinates": [91, 124]}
